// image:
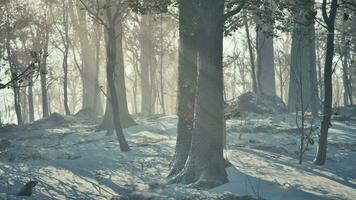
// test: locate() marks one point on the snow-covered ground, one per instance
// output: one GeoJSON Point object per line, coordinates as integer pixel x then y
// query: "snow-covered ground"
{"type": "Point", "coordinates": [72, 161]}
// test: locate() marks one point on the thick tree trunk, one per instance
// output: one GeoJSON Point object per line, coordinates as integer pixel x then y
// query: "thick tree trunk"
{"type": "Point", "coordinates": [13, 70]}
{"type": "Point", "coordinates": [111, 51]}
{"type": "Point", "coordinates": [265, 59]}
{"type": "Point", "coordinates": [43, 76]}
{"type": "Point", "coordinates": [187, 77]}
{"type": "Point", "coordinates": [79, 20]}
{"type": "Point", "coordinates": [252, 56]}
{"type": "Point", "coordinates": [345, 68]}
{"type": "Point", "coordinates": [303, 62]}
{"type": "Point", "coordinates": [205, 166]}
{"type": "Point", "coordinates": [120, 85]}
{"type": "Point", "coordinates": [97, 100]}
{"type": "Point", "coordinates": [145, 60]}
{"type": "Point", "coordinates": [323, 139]}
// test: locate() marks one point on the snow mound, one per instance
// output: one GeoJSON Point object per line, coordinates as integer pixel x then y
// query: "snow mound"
{"type": "Point", "coordinates": [260, 104]}
{"type": "Point", "coordinates": [86, 113]}
{"type": "Point", "coordinates": [54, 120]}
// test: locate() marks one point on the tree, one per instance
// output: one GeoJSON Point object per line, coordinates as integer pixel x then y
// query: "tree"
{"type": "Point", "coordinates": [264, 50]}
{"type": "Point", "coordinates": [125, 117]}
{"type": "Point", "coordinates": [81, 26]}
{"type": "Point", "coordinates": [205, 164]}
{"type": "Point", "coordinates": [147, 57]}
{"type": "Point", "coordinates": [187, 77]}
{"type": "Point", "coordinates": [251, 55]}
{"type": "Point", "coordinates": [64, 35]}
{"type": "Point", "coordinates": [325, 123]}
{"type": "Point", "coordinates": [303, 88]}
{"type": "Point", "coordinates": [113, 19]}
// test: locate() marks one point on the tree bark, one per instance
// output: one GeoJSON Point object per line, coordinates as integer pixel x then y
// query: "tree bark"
{"type": "Point", "coordinates": [79, 20]}
{"type": "Point", "coordinates": [345, 53]}
{"type": "Point", "coordinates": [303, 62]}
{"type": "Point", "coordinates": [31, 110]}
{"type": "Point", "coordinates": [111, 51]}
{"type": "Point", "coordinates": [265, 58]}
{"type": "Point", "coordinates": [205, 166]}
{"type": "Point", "coordinates": [145, 60]}
{"type": "Point", "coordinates": [120, 85]}
{"type": "Point", "coordinates": [43, 75]}
{"type": "Point", "coordinates": [252, 56]}
{"type": "Point", "coordinates": [187, 77]}
{"type": "Point", "coordinates": [13, 70]}
{"type": "Point", "coordinates": [323, 139]}
{"type": "Point", "coordinates": [65, 59]}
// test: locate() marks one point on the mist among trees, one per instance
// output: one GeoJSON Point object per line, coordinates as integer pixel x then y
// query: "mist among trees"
{"type": "Point", "coordinates": [177, 99]}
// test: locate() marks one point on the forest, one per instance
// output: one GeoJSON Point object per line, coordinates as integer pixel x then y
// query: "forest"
{"type": "Point", "coordinates": [178, 99]}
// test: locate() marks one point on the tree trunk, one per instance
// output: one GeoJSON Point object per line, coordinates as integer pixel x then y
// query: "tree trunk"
{"type": "Point", "coordinates": [43, 76]}
{"type": "Point", "coordinates": [303, 66]}
{"type": "Point", "coordinates": [345, 68]}
{"type": "Point", "coordinates": [111, 51]}
{"type": "Point", "coordinates": [120, 85]}
{"type": "Point", "coordinates": [320, 80]}
{"type": "Point", "coordinates": [145, 60]}
{"type": "Point", "coordinates": [13, 70]}
{"type": "Point", "coordinates": [323, 139]}
{"type": "Point", "coordinates": [97, 98]}
{"type": "Point", "coordinates": [252, 56]}
{"type": "Point", "coordinates": [265, 59]}
{"type": "Point", "coordinates": [65, 81]}
{"type": "Point", "coordinates": [163, 106]}
{"type": "Point", "coordinates": [79, 20]}
{"type": "Point", "coordinates": [205, 165]}
{"type": "Point", "coordinates": [31, 110]}
{"type": "Point", "coordinates": [187, 77]}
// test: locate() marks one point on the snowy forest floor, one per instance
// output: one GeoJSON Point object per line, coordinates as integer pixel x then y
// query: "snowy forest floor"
{"type": "Point", "coordinates": [72, 161]}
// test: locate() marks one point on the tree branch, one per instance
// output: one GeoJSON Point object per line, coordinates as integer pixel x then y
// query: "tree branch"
{"type": "Point", "coordinates": [234, 11]}
{"type": "Point", "coordinates": [94, 15]}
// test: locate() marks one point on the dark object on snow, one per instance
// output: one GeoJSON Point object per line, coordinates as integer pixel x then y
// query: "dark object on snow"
{"type": "Point", "coordinates": [26, 190]}
{"type": "Point", "coordinates": [4, 144]}
{"type": "Point", "coordinates": [260, 104]}
{"type": "Point", "coordinates": [345, 113]}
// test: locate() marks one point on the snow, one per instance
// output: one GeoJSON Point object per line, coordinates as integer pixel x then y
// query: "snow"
{"type": "Point", "coordinates": [74, 162]}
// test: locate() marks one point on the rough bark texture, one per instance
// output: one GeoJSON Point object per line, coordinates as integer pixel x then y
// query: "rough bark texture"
{"type": "Point", "coordinates": [205, 164]}
{"type": "Point", "coordinates": [87, 48]}
{"type": "Point", "coordinates": [345, 54]}
{"type": "Point", "coordinates": [187, 76]}
{"type": "Point", "coordinates": [147, 105]}
{"type": "Point", "coordinates": [111, 51]}
{"type": "Point", "coordinates": [303, 80]}
{"type": "Point", "coordinates": [265, 58]}
{"type": "Point", "coordinates": [252, 56]}
{"type": "Point", "coordinates": [13, 71]}
{"type": "Point", "coordinates": [43, 76]}
{"type": "Point", "coordinates": [323, 139]}
{"type": "Point", "coordinates": [119, 78]}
